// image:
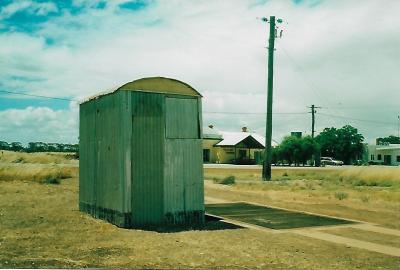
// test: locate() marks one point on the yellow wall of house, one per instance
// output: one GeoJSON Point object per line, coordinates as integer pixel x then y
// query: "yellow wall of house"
{"type": "Point", "coordinates": [209, 144]}
{"type": "Point", "coordinates": [225, 154]}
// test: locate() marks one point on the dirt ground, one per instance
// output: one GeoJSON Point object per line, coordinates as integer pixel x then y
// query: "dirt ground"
{"type": "Point", "coordinates": [41, 227]}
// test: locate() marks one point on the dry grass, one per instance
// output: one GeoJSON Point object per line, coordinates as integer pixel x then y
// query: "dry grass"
{"type": "Point", "coordinates": [367, 176]}
{"type": "Point", "coordinates": [47, 168]}
{"type": "Point", "coordinates": [41, 158]}
{"type": "Point", "coordinates": [41, 227]}
{"type": "Point", "coordinates": [36, 172]}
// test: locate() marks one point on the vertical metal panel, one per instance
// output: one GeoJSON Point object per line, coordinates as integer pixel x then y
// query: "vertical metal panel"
{"type": "Point", "coordinates": [184, 187]}
{"type": "Point", "coordinates": [182, 118]}
{"type": "Point", "coordinates": [125, 131]}
{"type": "Point", "coordinates": [108, 145]}
{"type": "Point", "coordinates": [183, 183]}
{"type": "Point", "coordinates": [200, 116]}
{"type": "Point", "coordinates": [148, 129]}
{"type": "Point", "coordinates": [86, 153]}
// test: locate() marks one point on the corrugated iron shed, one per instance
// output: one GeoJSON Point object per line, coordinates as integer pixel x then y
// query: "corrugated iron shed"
{"type": "Point", "coordinates": [141, 154]}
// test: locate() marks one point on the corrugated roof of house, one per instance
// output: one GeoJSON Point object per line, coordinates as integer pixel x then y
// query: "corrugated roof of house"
{"type": "Point", "coordinates": [233, 138]}
{"type": "Point", "coordinates": [154, 85]}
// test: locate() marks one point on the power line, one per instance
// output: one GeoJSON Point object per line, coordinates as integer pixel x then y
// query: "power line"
{"type": "Point", "coordinates": [358, 119]}
{"type": "Point", "coordinates": [209, 112]}
{"type": "Point", "coordinates": [310, 84]}
{"type": "Point", "coordinates": [255, 113]}
{"type": "Point", "coordinates": [363, 107]}
{"type": "Point", "coordinates": [38, 96]}
{"type": "Point", "coordinates": [213, 112]}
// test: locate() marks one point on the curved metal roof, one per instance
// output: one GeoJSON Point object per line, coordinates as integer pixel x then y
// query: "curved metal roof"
{"type": "Point", "coordinates": [154, 85]}
{"type": "Point", "coordinates": [160, 85]}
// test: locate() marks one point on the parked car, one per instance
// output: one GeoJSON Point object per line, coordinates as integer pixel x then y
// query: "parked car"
{"type": "Point", "coordinates": [330, 161]}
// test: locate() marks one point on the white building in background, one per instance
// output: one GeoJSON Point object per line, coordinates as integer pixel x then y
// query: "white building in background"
{"type": "Point", "coordinates": [388, 154]}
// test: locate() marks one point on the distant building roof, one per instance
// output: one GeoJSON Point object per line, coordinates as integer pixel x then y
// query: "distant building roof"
{"type": "Point", "coordinates": [234, 138]}
{"type": "Point", "coordinates": [388, 147]}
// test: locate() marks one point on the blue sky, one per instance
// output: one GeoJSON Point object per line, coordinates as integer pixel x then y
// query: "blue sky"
{"type": "Point", "coordinates": [31, 18]}
{"type": "Point", "coordinates": [77, 48]}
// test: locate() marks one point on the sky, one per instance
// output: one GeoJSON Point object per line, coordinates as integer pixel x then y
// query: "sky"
{"type": "Point", "coordinates": [342, 56]}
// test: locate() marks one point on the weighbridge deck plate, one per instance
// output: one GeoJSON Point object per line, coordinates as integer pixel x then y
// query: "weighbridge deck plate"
{"type": "Point", "coordinates": [269, 217]}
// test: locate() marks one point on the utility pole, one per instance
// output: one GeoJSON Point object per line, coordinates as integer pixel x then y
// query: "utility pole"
{"type": "Point", "coordinates": [398, 126]}
{"type": "Point", "coordinates": [266, 172]}
{"type": "Point", "coordinates": [313, 111]}
{"type": "Point", "coordinates": [317, 155]}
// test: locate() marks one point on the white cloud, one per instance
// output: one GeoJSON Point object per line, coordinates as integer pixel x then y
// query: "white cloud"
{"type": "Point", "coordinates": [41, 123]}
{"type": "Point", "coordinates": [334, 54]}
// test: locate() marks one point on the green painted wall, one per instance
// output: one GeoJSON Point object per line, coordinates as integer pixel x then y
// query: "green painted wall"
{"type": "Point", "coordinates": [147, 157]}
{"type": "Point", "coordinates": [141, 158]}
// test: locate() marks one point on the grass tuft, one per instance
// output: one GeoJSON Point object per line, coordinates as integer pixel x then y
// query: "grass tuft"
{"type": "Point", "coordinates": [372, 183]}
{"type": "Point", "coordinates": [341, 195]}
{"type": "Point", "coordinates": [365, 198]}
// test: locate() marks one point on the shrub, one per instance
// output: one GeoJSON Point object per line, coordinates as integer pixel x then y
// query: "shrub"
{"type": "Point", "coordinates": [229, 180]}
{"type": "Point", "coordinates": [341, 195]}
{"type": "Point", "coordinates": [52, 181]}
{"type": "Point", "coordinates": [19, 160]}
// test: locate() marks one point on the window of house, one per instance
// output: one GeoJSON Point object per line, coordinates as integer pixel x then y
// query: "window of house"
{"type": "Point", "coordinates": [372, 157]}
{"type": "Point", "coordinates": [379, 157]}
{"type": "Point", "coordinates": [206, 155]}
{"type": "Point", "coordinates": [398, 158]}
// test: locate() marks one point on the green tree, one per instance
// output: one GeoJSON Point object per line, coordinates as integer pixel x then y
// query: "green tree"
{"type": "Point", "coordinates": [295, 150]}
{"type": "Point", "coordinates": [344, 143]}
{"type": "Point", "coordinates": [4, 145]}
{"type": "Point", "coordinates": [288, 149]}
{"type": "Point", "coordinates": [16, 146]}
{"type": "Point", "coordinates": [308, 148]}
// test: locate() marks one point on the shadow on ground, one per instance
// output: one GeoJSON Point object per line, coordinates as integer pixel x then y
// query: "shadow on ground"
{"type": "Point", "coordinates": [211, 224]}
